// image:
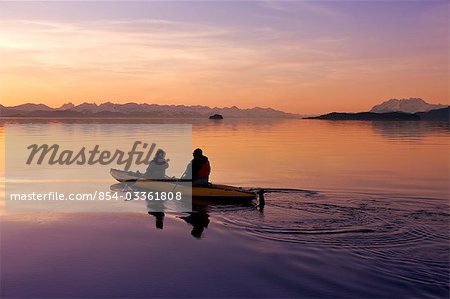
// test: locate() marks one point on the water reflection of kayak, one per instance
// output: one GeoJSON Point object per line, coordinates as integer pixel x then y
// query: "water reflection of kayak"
{"type": "Point", "coordinates": [213, 191]}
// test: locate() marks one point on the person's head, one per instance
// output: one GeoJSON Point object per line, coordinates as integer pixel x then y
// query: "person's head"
{"type": "Point", "coordinates": [160, 154]}
{"type": "Point", "coordinates": [197, 153]}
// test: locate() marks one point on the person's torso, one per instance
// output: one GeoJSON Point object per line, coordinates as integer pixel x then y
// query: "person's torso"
{"type": "Point", "coordinates": [157, 169]}
{"type": "Point", "coordinates": [200, 167]}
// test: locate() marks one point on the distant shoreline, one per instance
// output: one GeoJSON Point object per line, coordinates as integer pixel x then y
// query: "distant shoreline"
{"type": "Point", "coordinates": [441, 114]}
{"type": "Point", "coordinates": [142, 117]}
{"type": "Point", "coordinates": [112, 110]}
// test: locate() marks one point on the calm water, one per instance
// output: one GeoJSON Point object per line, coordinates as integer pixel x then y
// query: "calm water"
{"type": "Point", "coordinates": [377, 227]}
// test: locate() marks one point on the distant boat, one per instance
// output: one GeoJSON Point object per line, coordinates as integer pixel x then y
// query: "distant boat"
{"type": "Point", "coordinates": [216, 116]}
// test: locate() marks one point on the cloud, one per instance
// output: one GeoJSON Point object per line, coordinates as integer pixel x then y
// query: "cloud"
{"type": "Point", "coordinates": [166, 59]}
{"type": "Point", "coordinates": [146, 47]}
{"type": "Point", "coordinates": [308, 7]}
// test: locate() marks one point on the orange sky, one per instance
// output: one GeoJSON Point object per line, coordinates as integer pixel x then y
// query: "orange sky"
{"type": "Point", "coordinates": [305, 58]}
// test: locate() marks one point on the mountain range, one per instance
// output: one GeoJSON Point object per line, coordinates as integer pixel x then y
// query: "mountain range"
{"type": "Point", "coordinates": [411, 105]}
{"type": "Point", "coordinates": [401, 109]}
{"type": "Point", "coordinates": [138, 110]}
{"type": "Point", "coordinates": [394, 109]}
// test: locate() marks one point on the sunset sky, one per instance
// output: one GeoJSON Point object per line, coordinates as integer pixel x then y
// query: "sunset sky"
{"type": "Point", "coordinates": [302, 57]}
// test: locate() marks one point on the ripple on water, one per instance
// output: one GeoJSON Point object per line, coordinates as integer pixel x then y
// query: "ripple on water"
{"type": "Point", "coordinates": [411, 234]}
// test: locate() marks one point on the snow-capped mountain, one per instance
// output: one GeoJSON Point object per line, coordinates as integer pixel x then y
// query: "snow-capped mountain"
{"type": "Point", "coordinates": [411, 105]}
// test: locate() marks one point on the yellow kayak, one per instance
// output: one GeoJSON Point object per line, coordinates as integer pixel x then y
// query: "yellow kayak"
{"type": "Point", "coordinates": [137, 180]}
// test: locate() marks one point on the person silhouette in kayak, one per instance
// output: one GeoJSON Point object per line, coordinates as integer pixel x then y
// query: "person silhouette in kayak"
{"type": "Point", "coordinates": [199, 169]}
{"type": "Point", "coordinates": [157, 168]}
